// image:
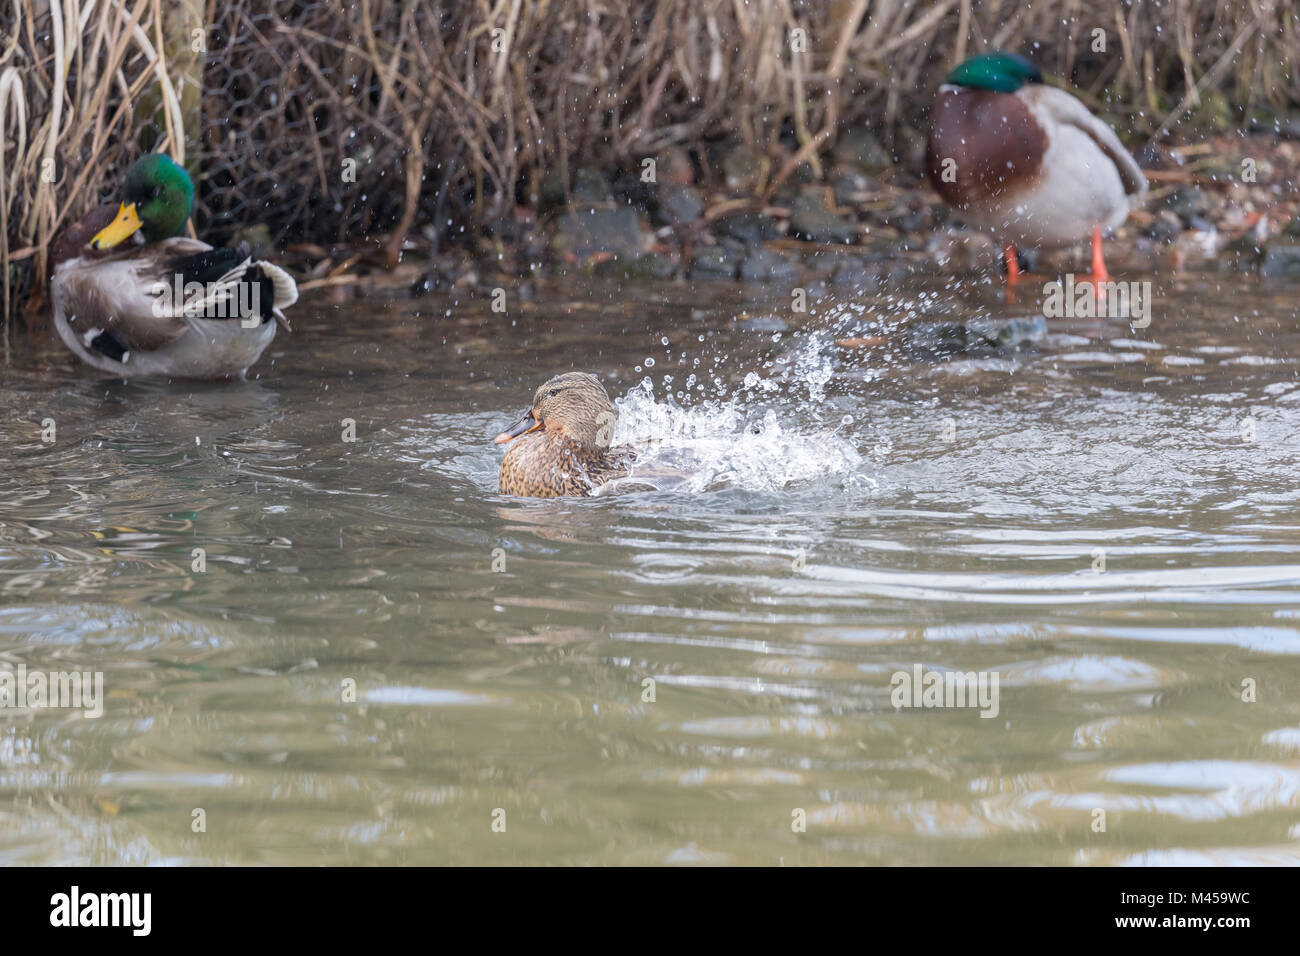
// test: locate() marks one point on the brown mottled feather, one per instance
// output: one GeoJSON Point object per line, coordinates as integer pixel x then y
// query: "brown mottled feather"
{"type": "Point", "coordinates": [560, 446]}
{"type": "Point", "coordinates": [542, 465]}
{"type": "Point", "coordinates": [72, 240]}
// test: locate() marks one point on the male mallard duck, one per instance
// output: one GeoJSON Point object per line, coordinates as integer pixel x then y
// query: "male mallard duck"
{"type": "Point", "coordinates": [561, 445]}
{"type": "Point", "coordinates": [1027, 161]}
{"type": "Point", "coordinates": [171, 306]}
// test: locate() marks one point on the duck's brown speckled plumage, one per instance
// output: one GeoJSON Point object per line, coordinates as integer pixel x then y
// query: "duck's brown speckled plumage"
{"type": "Point", "coordinates": [560, 446]}
{"type": "Point", "coordinates": [541, 466]}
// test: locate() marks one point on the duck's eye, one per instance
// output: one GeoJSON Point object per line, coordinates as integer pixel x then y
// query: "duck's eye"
{"type": "Point", "coordinates": [552, 393]}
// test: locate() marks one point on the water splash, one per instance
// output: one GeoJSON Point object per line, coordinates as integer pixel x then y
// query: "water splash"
{"type": "Point", "coordinates": [771, 433]}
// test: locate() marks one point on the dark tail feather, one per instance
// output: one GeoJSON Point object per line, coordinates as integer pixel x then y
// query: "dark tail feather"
{"type": "Point", "coordinates": [207, 266]}
{"type": "Point", "coordinates": [254, 288]}
{"type": "Point", "coordinates": [106, 343]}
{"type": "Point", "coordinates": [264, 298]}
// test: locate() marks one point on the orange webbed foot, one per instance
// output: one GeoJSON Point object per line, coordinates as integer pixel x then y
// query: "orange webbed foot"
{"type": "Point", "coordinates": [1098, 277]}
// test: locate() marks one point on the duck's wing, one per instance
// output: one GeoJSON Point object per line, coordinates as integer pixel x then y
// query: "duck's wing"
{"type": "Point", "coordinates": [120, 302]}
{"type": "Point", "coordinates": [1066, 109]}
{"type": "Point", "coordinates": [138, 300]}
{"type": "Point", "coordinates": [235, 285]}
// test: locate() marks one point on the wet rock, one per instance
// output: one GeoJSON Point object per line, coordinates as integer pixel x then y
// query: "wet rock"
{"type": "Point", "coordinates": [810, 219]}
{"type": "Point", "coordinates": [1017, 332]}
{"type": "Point", "coordinates": [1281, 260]}
{"type": "Point", "coordinates": [501, 227]}
{"type": "Point", "coordinates": [858, 146]}
{"type": "Point", "coordinates": [765, 265]}
{"type": "Point", "coordinates": [590, 186]}
{"type": "Point", "coordinates": [1244, 251]}
{"type": "Point", "coordinates": [857, 275]}
{"type": "Point", "coordinates": [851, 186]}
{"type": "Point", "coordinates": [886, 248]}
{"type": "Point", "coordinates": [1288, 127]}
{"type": "Point", "coordinates": [937, 338]}
{"type": "Point", "coordinates": [803, 174]}
{"type": "Point", "coordinates": [432, 280]}
{"type": "Point", "coordinates": [1227, 171]}
{"type": "Point", "coordinates": [443, 272]}
{"type": "Point", "coordinates": [1284, 126]}
{"type": "Point", "coordinates": [1165, 226]}
{"type": "Point", "coordinates": [715, 262]}
{"type": "Point", "coordinates": [595, 230]}
{"type": "Point", "coordinates": [652, 265]}
{"type": "Point", "coordinates": [1029, 259]}
{"type": "Point", "coordinates": [900, 272]}
{"type": "Point", "coordinates": [787, 194]}
{"type": "Point", "coordinates": [741, 166]}
{"type": "Point", "coordinates": [631, 191]}
{"type": "Point", "coordinates": [975, 336]}
{"type": "Point", "coordinates": [762, 323]}
{"type": "Point", "coordinates": [964, 250]}
{"type": "Point", "coordinates": [823, 263]}
{"type": "Point", "coordinates": [751, 228]}
{"type": "Point", "coordinates": [513, 226]}
{"type": "Point", "coordinates": [1187, 202]}
{"type": "Point", "coordinates": [551, 193]}
{"type": "Point", "coordinates": [678, 206]}
{"type": "Point", "coordinates": [673, 167]}
{"type": "Point", "coordinates": [909, 148]}
{"type": "Point", "coordinates": [912, 220]}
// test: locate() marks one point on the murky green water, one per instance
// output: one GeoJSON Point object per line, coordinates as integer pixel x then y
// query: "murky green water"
{"type": "Point", "coordinates": [959, 519]}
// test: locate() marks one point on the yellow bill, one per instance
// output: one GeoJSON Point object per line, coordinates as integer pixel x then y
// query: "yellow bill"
{"type": "Point", "coordinates": [121, 228]}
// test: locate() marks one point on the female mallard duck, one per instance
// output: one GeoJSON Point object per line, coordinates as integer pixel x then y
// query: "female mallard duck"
{"type": "Point", "coordinates": [1027, 161]}
{"type": "Point", "coordinates": [170, 306]}
{"type": "Point", "coordinates": [561, 445]}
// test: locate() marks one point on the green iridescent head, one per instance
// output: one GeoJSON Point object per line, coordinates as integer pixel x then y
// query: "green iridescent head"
{"type": "Point", "coordinates": [157, 199]}
{"type": "Point", "coordinates": [1000, 72]}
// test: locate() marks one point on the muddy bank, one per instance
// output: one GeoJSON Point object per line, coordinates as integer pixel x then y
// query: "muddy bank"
{"type": "Point", "coordinates": [871, 219]}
